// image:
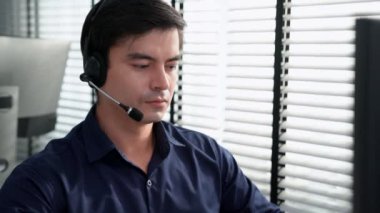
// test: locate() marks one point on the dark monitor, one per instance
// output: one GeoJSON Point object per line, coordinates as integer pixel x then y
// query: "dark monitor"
{"type": "Point", "coordinates": [37, 67]}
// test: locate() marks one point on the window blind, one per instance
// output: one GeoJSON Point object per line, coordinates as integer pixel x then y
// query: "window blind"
{"type": "Point", "coordinates": [247, 133]}
{"type": "Point", "coordinates": [64, 20]}
{"type": "Point", "coordinates": [318, 102]}
{"type": "Point", "coordinates": [227, 79]}
{"type": "Point", "coordinates": [17, 18]}
{"type": "Point", "coordinates": [199, 98]}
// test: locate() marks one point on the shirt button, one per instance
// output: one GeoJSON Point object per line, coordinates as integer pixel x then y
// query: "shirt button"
{"type": "Point", "coordinates": [149, 183]}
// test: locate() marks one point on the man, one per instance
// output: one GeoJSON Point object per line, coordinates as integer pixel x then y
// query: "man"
{"type": "Point", "coordinates": [112, 162]}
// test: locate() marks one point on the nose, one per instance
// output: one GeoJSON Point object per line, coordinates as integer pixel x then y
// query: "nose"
{"type": "Point", "coordinates": [160, 79]}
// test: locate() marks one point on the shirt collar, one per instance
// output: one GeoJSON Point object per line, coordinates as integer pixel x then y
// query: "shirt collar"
{"type": "Point", "coordinates": [97, 144]}
{"type": "Point", "coordinates": [164, 139]}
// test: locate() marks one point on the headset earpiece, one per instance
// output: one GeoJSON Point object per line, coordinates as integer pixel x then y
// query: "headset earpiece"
{"type": "Point", "coordinates": [94, 63]}
{"type": "Point", "coordinates": [95, 69]}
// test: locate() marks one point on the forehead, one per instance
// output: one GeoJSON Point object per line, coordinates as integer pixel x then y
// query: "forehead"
{"type": "Point", "coordinates": [156, 39]}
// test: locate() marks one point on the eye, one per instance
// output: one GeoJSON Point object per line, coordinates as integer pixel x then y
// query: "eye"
{"type": "Point", "coordinates": [140, 66]}
{"type": "Point", "coordinates": [171, 66]}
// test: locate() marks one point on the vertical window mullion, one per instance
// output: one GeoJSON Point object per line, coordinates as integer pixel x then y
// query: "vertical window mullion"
{"type": "Point", "coordinates": [175, 106]}
{"type": "Point", "coordinates": [275, 178]}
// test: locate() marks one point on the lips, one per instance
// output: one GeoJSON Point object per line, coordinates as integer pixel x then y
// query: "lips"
{"type": "Point", "coordinates": [159, 102]}
{"type": "Point", "coordinates": [157, 99]}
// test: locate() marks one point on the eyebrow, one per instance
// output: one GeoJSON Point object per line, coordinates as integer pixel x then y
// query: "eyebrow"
{"type": "Point", "coordinates": [135, 56]}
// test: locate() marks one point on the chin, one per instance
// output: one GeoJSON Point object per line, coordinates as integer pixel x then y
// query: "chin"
{"type": "Point", "coordinates": [152, 117]}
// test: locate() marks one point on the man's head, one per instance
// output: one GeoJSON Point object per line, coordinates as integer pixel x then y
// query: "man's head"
{"type": "Point", "coordinates": [136, 46]}
{"type": "Point", "coordinates": [112, 20]}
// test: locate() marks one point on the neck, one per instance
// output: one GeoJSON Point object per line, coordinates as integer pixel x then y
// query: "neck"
{"type": "Point", "coordinates": [134, 139]}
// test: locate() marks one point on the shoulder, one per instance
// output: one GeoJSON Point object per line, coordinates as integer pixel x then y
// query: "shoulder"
{"type": "Point", "coordinates": [37, 182]}
{"type": "Point", "coordinates": [58, 150]}
{"type": "Point", "coordinates": [52, 157]}
{"type": "Point", "coordinates": [43, 175]}
{"type": "Point", "coordinates": [54, 160]}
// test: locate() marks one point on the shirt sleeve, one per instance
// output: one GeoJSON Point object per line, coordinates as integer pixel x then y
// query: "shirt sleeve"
{"type": "Point", "coordinates": [239, 194]}
{"type": "Point", "coordinates": [26, 190]}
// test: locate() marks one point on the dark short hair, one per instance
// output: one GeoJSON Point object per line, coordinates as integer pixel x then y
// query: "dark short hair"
{"type": "Point", "coordinates": [111, 20]}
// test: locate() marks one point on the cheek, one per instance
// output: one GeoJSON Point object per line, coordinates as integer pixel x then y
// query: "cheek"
{"type": "Point", "coordinates": [128, 78]}
{"type": "Point", "coordinates": [122, 84]}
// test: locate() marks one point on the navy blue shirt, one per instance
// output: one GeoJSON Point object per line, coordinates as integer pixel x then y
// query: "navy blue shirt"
{"type": "Point", "coordinates": [84, 172]}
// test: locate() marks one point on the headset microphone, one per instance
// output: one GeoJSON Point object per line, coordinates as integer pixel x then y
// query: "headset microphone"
{"type": "Point", "coordinates": [133, 113]}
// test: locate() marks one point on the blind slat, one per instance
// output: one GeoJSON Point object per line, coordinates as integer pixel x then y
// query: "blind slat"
{"type": "Point", "coordinates": [317, 151]}
{"type": "Point", "coordinates": [326, 203]}
{"type": "Point", "coordinates": [317, 188]}
{"type": "Point", "coordinates": [334, 140]}
{"type": "Point", "coordinates": [322, 176]}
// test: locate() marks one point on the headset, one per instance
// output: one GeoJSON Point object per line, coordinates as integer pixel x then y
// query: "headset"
{"type": "Point", "coordinates": [95, 64]}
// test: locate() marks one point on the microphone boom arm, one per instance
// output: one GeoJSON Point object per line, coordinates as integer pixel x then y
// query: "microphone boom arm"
{"type": "Point", "coordinates": [132, 112]}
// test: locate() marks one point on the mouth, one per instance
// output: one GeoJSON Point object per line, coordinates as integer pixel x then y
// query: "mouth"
{"type": "Point", "coordinates": [157, 102]}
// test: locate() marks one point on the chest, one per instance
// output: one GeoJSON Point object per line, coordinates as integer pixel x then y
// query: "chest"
{"type": "Point", "coordinates": [182, 185]}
